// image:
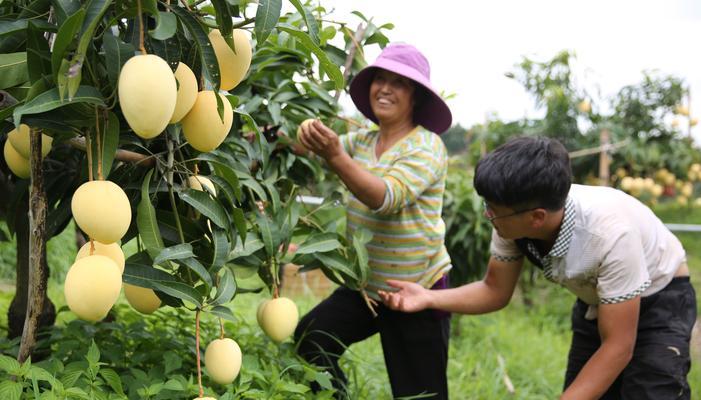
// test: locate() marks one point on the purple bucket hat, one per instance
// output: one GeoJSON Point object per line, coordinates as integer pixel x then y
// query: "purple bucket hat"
{"type": "Point", "coordinates": [407, 61]}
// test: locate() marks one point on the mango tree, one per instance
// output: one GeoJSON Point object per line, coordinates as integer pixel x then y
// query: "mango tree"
{"type": "Point", "coordinates": [169, 122]}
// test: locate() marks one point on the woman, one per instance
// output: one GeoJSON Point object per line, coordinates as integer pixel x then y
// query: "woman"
{"type": "Point", "coordinates": [397, 178]}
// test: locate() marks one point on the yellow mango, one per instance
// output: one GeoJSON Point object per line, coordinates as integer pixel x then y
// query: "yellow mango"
{"type": "Point", "coordinates": [112, 250]}
{"type": "Point", "coordinates": [19, 138]}
{"type": "Point", "coordinates": [101, 209]}
{"type": "Point", "coordinates": [92, 287]}
{"type": "Point", "coordinates": [222, 360]}
{"type": "Point", "coordinates": [233, 66]}
{"type": "Point", "coordinates": [147, 94]}
{"type": "Point", "coordinates": [259, 311]}
{"type": "Point", "coordinates": [144, 300]}
{"type": "Point", "coordinates": [202, 127]}
{"type": "Point", "coordinates": [187, 92]}
{"type": "Point", "coordinates": [279, 318]}
{"type": "Point", "coordinates": [200, 182]}
{"type": "Point", "coordinates": [17, 164]}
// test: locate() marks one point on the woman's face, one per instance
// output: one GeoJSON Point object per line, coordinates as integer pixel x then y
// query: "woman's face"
{"type": "Point", "coordinates": [391, 97]}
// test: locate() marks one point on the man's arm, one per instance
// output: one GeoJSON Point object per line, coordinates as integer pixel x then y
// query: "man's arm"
{"type": "Point", "coordinates": [618, 326]}
{"type": "Point", "coordinates": [490, 294]}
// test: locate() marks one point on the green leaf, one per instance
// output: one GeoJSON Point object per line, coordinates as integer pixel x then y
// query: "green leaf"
{"type": "Point", "coordinates": [360, 238]}
{"type": "Point", "coordinates": [336, 262]}
{"type": "Point", "coordinates": [110, 142]}
{"type": "Point", "coordinates": [38, 53]}
{"type": "Point", "coordinates": [64, 8]}
{"type": "Point", "coordinates": [50, 100]}
{"type": "Point", "coordinates": [177, 252]}
{"type": "Point", "coordinates": [166, 28]}
{"type": "Point", "coordinates": [223, 312]}
{"type": "Point", "coordinates": [331, 69]}
{"type": "Point", "coordinates": [93, 355]}
{"type": "Point", "coordinates": [221, 247]}
{"type": "Point", "coordinates": [13, 69]}
{"type": "Point", "coordinates": [198, 269]}
{"type": "Point", "coordinates": [172, 361]}
{"type": "Point", "coordinates": [116, 54]}
{"type": "Point", "coordinates": [246, 249]}
{"type": "Point", "coordinates": [146, 220]}
{"type": "Point", "coordinates": [266, 234]}
{"type": "Point", "coordinates": [9, 27]}
{"type": "Point", "coordinates": [112, 379]}
{"type": "Point", "coordinates": [267, 15]}
{"type": "Point", "coordinates": [209, 59]}
{"type": "Point", "coordinates": [323, 378]}
{"type": "Point", "coordinates": [274, 195]}
{"type": "Point", "coordinates": [66, 34]}
{"type": "Point", "coordinates": [181, 291]}
{"type": "Point", "coordinates": [319, 243]}
{"type": "Point", "coordinates": [226, 288]}
{"type": "Point", "coordinates": [9, 364]}
{"type": "Point", "coordinates": [10, 390]}
{"type": "Point", "coordinates": [255, 187]}
{"type": "Point", "coordinates": [240, 223]}
{"type": "Point", "coordinates": [226, 172]}
{"type": "Point", "coordinates": [143, 275]}
{"type": "Point", "coordinates": [168, 49]}
{"type": "Point", "coordinates": [309, 20]}
{"type": "Point", "coordinates": [95, 9]}
{"type": "Point", "coordinates": [203, 203]}
{"type": "Point", "coordinates": [223, 16]}
{"type": "Point", "coordinates": [224, 188]}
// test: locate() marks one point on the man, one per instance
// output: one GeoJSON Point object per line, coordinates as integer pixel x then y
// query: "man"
{"type": "Point", "coordinates": [636, 308]}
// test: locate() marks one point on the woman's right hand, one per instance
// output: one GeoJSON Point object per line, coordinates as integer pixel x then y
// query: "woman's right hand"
{"type": "Point", "coordinates": [320, 139]}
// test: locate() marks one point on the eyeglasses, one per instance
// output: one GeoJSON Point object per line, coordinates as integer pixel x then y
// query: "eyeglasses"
{"type": "Point", "coordinates": [491, 217]}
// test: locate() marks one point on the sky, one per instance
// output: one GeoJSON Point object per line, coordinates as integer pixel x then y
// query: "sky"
{"type": "Point", "coordinates": [472, 44]}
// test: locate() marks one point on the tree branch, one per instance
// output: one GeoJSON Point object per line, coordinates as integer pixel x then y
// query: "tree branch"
{"type": "Point", "coordinates": [139, 159]}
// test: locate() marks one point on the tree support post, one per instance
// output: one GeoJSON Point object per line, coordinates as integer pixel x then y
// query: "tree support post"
{"type": "Point", "coordinates": [37, 247]}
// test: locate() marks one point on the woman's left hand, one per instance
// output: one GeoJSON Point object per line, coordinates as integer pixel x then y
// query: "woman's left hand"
{"type": "Point", "coordinates": [321, 140]}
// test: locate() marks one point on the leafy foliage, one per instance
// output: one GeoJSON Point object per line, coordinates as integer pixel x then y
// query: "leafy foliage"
{"type": "Point", "coordinates": [136, 358]}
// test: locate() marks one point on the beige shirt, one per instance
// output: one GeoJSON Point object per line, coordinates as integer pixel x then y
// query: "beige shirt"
{"type": "Point", "coordinates": [610, 248]}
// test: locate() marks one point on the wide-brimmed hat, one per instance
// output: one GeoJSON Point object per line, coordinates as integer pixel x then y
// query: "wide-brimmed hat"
{"type": "Point", "coordinates": [407, 61]}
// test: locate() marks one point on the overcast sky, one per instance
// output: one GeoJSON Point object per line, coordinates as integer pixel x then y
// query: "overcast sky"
{"type": "Point", "coordinates": [471, 44]}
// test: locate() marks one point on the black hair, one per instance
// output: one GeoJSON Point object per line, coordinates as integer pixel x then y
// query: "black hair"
{"type": "Point", "coordinates": [525, 172]}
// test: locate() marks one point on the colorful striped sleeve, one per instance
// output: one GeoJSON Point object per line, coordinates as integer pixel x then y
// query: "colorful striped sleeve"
{"type": "Point", "coordinates": [348, 141]}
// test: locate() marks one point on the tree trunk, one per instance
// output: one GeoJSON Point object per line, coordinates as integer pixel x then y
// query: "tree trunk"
{"type": "Point", "coordinates": [38, 271]}
{"type": "Point", "coordinates": [18, 307]}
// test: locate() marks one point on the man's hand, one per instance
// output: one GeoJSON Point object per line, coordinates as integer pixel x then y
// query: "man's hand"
{"type": "Point", "coordinates": [411, 297]}
{"type": "Point", "coordinates": [318, 138]}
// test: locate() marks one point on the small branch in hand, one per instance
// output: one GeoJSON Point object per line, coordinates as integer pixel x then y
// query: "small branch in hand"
{"type": "Point", "coordinates": [371, 303]}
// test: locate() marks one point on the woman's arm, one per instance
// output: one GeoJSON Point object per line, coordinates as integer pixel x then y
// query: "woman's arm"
{"type": "Point", "coordinates": [324, 142]}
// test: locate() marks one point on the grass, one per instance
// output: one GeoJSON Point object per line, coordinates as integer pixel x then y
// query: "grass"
{"type": "Point", "coordinates": [531, 342]}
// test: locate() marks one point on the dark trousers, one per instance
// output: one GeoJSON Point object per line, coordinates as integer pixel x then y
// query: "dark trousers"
{"type": "Point", "coordinates": [661, 359]}
{"type": "Point", "coordinates": [415, 345]}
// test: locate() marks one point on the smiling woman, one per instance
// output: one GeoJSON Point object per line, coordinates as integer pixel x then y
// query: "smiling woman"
{"type": "Point", "coordinates": [397, 178]}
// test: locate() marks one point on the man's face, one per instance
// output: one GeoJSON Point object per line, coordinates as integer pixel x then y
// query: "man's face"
{"type": "Point", "coordinates": [510, 223]}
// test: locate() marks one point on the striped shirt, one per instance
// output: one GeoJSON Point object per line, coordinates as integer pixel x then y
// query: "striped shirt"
{"type": "Point", "coordinates": [408, 231]}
